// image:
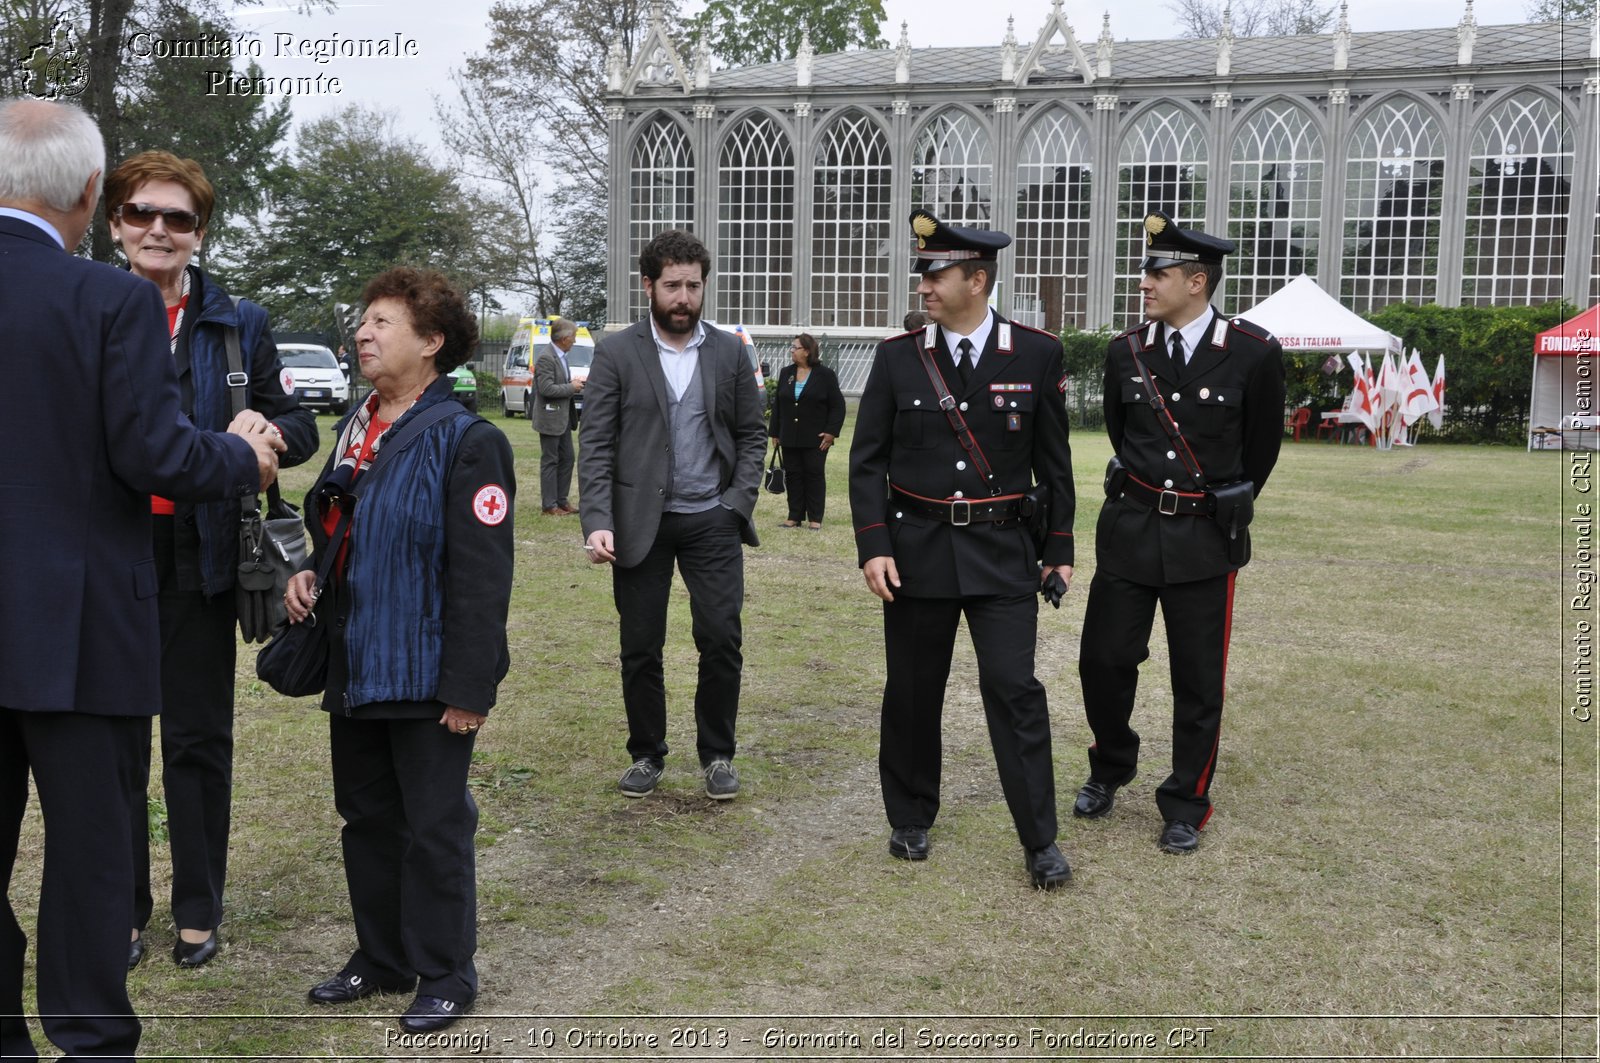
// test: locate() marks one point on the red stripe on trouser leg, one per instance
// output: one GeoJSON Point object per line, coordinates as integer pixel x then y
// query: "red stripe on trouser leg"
{"type": "Point", "coordinates": [1227, 638]}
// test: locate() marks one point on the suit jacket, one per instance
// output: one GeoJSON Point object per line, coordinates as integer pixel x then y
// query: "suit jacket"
{"type": "Point", "coordinates": [89, 428]}
{"type": "Point", "coordinates": [551, 409]}
{"type": "Point", "coordinates": [1228, 402]}
{"type": "Point", "coordinates": [820, 408]}
{"type": "Point", "coordinates": [1013, 405]}
{"type": "Point", "coordinates": [625, 438]}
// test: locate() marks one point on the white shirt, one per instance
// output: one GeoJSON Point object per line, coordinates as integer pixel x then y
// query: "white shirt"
{"type": "Point", "coordinates": [679, 366]}
{"type": "Point", "coordinates": [979, 336]}
{"type": "Point", "coordinates": [1193, 333]}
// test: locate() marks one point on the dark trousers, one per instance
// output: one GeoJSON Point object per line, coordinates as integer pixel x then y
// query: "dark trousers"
{"type": "Point", "coordinates": [806, 482]}
{"type": "Point", "coordinates": [401, 787]}
{"type": "Point", "coordinates": [919, 635]}
{"type": "Point", "coordinates": [708, 553]}
{"type": "Point", "coordinates": [1116, 640]}
{"type": "Point", "coordinates": [555, 469]}
{"type": "Point", "coordinates": [198, 650]}
{"type": "Point", "coordinates": [84, 768]}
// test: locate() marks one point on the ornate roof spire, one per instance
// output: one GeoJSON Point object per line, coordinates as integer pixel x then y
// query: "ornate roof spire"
{"type": "Point", "coordinates": [1466, 36]}
{"type": "Point", "coordinates": [1225, 43]}
{"type": "Point", "coordinates": [1341, 39]}
{"type": "Point", "coordinates": [1008, 51]}
{"type": "Point", "coordinates": [1104, 47]}
{"type": "Point", "coordinates": [802, 59]}
{"type": "Point", "coordinates": [902, 56]}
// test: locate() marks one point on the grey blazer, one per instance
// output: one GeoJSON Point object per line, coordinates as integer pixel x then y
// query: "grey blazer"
{"type": "Point", "coordinates": [625, 437]}
{"type": "Point", "coordinates": [550, 409]}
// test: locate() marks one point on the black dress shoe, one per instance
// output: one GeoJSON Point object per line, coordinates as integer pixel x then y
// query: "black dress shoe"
{"type": "Point", "coordinates": [343, 988]}
{"type": "Point", "coordinates": [427, 1014]}
{"type": "Point", "coordinates": [135, 952]}
{"type": "Point", "coordinates": [1179, 837]}
{"type": "Point", "coordinates": [1048, 868]}
{"type": "Point", "coordinates": [1094, 800]}
{"type": "Point", "coordinates": [909, 843]}
{"type": "Point", "coordinates": [197, 953]}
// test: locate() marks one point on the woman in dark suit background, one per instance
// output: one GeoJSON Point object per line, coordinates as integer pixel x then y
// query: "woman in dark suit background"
{"type": "Point", "coordinates": [807, 416]}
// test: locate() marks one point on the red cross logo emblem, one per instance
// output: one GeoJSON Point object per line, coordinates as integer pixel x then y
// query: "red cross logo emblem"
{"type": "Point", "coordinates": [490, 505]}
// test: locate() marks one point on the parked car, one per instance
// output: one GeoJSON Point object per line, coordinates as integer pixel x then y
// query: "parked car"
{"type": "Point", "coordinates": [528, 343]}
{"type": "Point", "coordinates": [465, 388]}
{"type": "Point", "coordinates": [312, 372]}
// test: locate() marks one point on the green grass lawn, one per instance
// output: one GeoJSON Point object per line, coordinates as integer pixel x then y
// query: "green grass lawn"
{"type": "Point", "coordinates": [1402, 861]}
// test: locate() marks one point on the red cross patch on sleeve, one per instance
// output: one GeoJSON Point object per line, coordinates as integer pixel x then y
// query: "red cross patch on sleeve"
{"type": "Point", "coordinates": [489, 505]}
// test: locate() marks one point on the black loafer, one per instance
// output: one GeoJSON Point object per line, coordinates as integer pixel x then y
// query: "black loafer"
{"type": "Point", "coordinates": [427, 1014]}
{"type": "Point", "coordinates": [197, 953]}
{"type": "Point", "coordinates": [135, 952]}
{"type": "Point", "coordinates": [1094, 800]}
{"type": "Point", "coordinates": [344, 988]}
{"type": "Point", "coordinates": [1048, 868]}
{"type": "Point", "coordinates": [909, 843]}
{"type": "Point", "coordinates": [1179, 837]}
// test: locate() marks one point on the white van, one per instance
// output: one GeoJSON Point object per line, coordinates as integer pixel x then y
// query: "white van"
{"type": "Point", "coordinates": [528, 343]}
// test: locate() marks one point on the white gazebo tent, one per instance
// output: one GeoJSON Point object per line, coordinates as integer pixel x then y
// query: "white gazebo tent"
{"type": "Point", "coordinates": [1306, 318]}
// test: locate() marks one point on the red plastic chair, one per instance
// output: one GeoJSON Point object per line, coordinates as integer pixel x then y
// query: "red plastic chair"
{"type": "Point", "coordinates": [1297, 421]}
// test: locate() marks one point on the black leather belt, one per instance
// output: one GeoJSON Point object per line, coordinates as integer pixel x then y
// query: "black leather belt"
{"type": "Point", "coordinates": [1167, 502]}
{"type": "Point", "coordinates": [961, 511]}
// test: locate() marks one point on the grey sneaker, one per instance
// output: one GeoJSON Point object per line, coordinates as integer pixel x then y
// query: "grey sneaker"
{"type": "Point", "coordinates": [640, 779]}
{"type": "Point", "coordinates": [722, 782]}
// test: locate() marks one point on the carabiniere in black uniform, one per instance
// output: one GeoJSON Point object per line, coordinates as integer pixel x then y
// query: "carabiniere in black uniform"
{"type": "Point", "coordinates": [917, 496]}
{"type": "Point", "coordinates": [1158, 539]}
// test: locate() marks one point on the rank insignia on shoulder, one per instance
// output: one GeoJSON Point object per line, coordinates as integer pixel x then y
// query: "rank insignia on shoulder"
{"type": "Point", "coordinates": [1003, 338]}
{"type": "Point", "coordinates": [1061, 385]}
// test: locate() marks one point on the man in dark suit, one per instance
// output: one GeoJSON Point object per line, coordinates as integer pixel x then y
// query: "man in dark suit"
{"type": "Point", "coordinates": [669, 465]}
{"type": "Point", "coordinates": [1170, 531]}
{"type": "Point", "coordinates": [554, 418]}
{"type": "Point", "coordinates": [941, 532]}
{"type": "Point", "coordinates": [89, 429]}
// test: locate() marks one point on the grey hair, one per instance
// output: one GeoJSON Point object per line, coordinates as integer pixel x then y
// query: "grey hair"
{"type": "Point", "coordinates": [561, 328]}
{"type": "Point", "coordinates": [47, 152]}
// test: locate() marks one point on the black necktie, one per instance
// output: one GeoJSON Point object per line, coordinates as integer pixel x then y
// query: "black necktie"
{"type": "Point", "coordinates": [1177, 349]}
{"type": "Point", "coordinates": [964, 364]}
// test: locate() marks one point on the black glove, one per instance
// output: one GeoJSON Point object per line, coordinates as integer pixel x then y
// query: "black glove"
{"type": "Point", "coordinates": [1053, 588]}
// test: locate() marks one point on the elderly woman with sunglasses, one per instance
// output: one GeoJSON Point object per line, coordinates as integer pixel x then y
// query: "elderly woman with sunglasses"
{"type": "Point", "coordinates": [158, 206]}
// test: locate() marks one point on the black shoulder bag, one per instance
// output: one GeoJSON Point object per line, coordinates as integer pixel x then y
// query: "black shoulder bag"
{"type": "Point", "coordinates": [1232, 505]}
{"type": "Point", "coordinates": [271, 548]}
{"type": "Point", "coordinates": [295, 662]}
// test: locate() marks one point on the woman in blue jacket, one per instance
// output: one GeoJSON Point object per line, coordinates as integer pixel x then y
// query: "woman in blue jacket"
{"type": "Point", "coordinates": [158, 206]}
{"type": "Point", "coordinates": [415, 609]}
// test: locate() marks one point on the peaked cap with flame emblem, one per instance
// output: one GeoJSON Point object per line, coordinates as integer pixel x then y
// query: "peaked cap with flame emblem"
{"type": "Point", "coordinates": [1167, 245]}
{"type": "Point", "coordinates": [938, 245]}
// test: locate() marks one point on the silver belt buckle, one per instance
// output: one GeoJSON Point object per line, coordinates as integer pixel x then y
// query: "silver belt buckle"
{"type": "Point", "coordinates": [1166, 508]}
{"type": "Point", "coordinates": [965, 511]}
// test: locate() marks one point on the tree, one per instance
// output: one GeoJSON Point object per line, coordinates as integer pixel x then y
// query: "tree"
{"type": "Point", "coordinates": [1561, 10]}
{"type": "Point", "coordinates": [1202, 19]}
{"type": "Point", "coordinates": [236, 138]}
{"type": "Point", "coordinates": [357, 199]}
{"type": "Point", "coordinates": [532, 134]}
{"type": "Point", "coordinates": [747, 32]}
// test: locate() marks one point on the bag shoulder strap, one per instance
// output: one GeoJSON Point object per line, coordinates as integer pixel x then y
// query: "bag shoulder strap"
{"type": "Point", "coordinates": [958, 423]}
{"type": "Point", "coordinates": [1158, 403]}
{"type": "Point", "coordinates": [238, 383]}
{"type": "Point", "coordinates": [413, 428]}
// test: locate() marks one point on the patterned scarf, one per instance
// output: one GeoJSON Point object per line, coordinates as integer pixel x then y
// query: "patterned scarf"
{"type": "Point", "coordinates": [351, 442]}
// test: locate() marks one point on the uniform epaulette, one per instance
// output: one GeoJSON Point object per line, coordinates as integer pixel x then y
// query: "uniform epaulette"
{"type": "Point", "coordinates": [1030, 328]}
{"type": "Point", "coordinates": [913, 332]}
{"type": "Point", "coordinates": [1130, 331]}
{"type": "Point", "coordinates": [1250, 328]}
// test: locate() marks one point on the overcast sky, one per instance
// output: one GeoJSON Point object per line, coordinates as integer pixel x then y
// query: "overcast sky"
{"type": "Point", "coordinates": [446, 32]}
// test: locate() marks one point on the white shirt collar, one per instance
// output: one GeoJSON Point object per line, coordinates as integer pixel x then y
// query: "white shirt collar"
{"type": "Point", "coordinates": [1193, 333]}
{"type": "Point", "coordinates": [979, 337]}
{"type": "Point", "coordinates": [34, 219]}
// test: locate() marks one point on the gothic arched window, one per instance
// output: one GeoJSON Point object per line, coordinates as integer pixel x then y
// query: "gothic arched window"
{"type": "Point", "coordinates": [755, 225]}
{"type": "Point", "coordinates": [1160, 166]}
{"type": "Point", "coordinates": [660, 195]}
{"type": "Point", "coordinates": [850, 225]}
{"type": "Point", "coordinates": [1052, 264]}
{"type": "Point", "coordinates": [1394, 182]}
{"type": "Point", "coordinates": [1519, 192]}
{"type": "Point", "coordinates": [1274, 204]}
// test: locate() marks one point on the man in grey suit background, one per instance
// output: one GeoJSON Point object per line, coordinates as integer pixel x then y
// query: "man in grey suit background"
{"type": "Point", "coordinates": [669, 466]}
{"type": "Point", "coordinates": [554, 418]}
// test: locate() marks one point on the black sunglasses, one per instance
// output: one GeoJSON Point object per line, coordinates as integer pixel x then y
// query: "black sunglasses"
{"type": "Point", "coordinates": [143, 215]}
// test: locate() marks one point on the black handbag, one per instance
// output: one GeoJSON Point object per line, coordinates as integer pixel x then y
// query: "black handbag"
{"type": "Point", "coordinates": [271, 549]}
{"type": "Point", "coordinates": [773, 480]}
